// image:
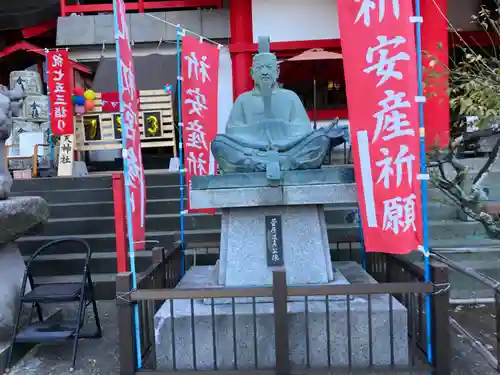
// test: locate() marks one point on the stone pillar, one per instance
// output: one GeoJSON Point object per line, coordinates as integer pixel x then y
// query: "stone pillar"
{"type": "Point", "coordinates": [435, 43]}
{"type": "Point", "coordinates": [17, 216]}
{"type": "Point", "coordinates": [240, 13]}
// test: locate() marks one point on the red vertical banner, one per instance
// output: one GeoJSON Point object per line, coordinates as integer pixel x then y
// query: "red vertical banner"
{"type": "Point", "coordinates": [59, 85]}
{"type": "Point", "coordinates": [200, 81]}
{"type": "Point", "coordinates": [378, 46]}
{"type": "Point", "coordinates": [135, 184]}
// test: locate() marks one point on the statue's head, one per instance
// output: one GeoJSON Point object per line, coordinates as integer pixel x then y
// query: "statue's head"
{"type": "Point", "coordinates": [265, 69]}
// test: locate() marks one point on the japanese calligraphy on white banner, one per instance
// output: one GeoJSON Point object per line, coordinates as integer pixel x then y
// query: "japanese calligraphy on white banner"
{"type": "Point", "coordinates": [378, 43]}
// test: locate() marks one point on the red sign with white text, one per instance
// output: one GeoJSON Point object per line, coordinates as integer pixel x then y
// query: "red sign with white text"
{"type": "Point", "coordinates": [135, 183]}
{"type": "Point", "coordinates": [200, 79]}
{"type": "Point", "coordinates": [59, 85]}
{"type": "Point", "coordinates": [378, 46]}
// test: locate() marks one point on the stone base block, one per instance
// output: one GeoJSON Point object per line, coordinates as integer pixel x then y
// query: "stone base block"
{"type": "Point", "coordinates": [243, 253]}
{"type": "Point", "coordinates": [205, 277]}
{"type": "Point", "coordinates": [252, 343]}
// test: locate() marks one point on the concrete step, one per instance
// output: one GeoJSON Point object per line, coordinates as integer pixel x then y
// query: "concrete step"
{"type": "Point", "coordinates": [92, 181]}
{"type": "Point", "coordinates": [66, 267]}
{"type": "Point", "coordinates": [337, 233]}
{"type": "Point", "coordinates": [88, 210]}
{"type": "Point", "coordinates": [98, 195]}
{"type": "Point", "coordinates": [106, 209]}
{"type": "Point", "coordinates": [479, 254]}
{"type": "Point", "coordinates": [158, 220]}
{"type": "Point", "coordinates": [104, 284]}
{"type": "Point", "coordinates": [73, 263]}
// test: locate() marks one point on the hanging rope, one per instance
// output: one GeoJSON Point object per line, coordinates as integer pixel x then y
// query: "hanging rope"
{"type": "Point", "coordinates": [183, 31]}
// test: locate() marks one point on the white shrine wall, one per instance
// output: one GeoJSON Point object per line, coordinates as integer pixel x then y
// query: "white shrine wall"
{"type": "Point", "coordinates": [295, 20]}
{"type": "Point", "coordinates": [300, 20]}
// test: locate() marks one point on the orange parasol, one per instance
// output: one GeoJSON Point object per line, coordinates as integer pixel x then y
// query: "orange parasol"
{"type": "Point", "coordinates": [314, 55]}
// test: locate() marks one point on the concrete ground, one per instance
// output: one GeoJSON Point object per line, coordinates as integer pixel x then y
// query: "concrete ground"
{"type": "Point", "coordinates": [94, 357]}
{"type": "Point", "coordinates": [100, 357]}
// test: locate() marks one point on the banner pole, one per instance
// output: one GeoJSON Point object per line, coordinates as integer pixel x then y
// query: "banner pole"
{"type": "Point", "coordinates": [181, 152]}
{"type": "Point", "coordinates": [128, 205]}
{"type": "Point", "coordinates": [423, 176]}
{"type": "Point", "coordinates": [49, 131]}
{"type": "Point", "coordinates": [362, 240]}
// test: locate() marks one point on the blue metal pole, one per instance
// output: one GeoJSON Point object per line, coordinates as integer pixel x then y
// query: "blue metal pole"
{"type": "Point", "coordinates": [128, 205]}
{"type": "Point", "coordinates": [423, 182]}
{"type": "Point", "coordinates": [51, 145]}
{"type": "Point", "coordinates": [362, 240]}
{"type": "Point", "coordinates": [179, 33]}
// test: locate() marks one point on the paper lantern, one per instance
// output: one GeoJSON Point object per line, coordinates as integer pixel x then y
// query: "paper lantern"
{"type": "Point", "coordinates": [89, 105]}
{"type": "Point", "coordinates": [89, 95]}
{"type": "Point", "coordinates": [79, 100]}
{"type": "Point", "coordinates": [79, 109]}
{"type": "Point", "coordinates": [79, 91]}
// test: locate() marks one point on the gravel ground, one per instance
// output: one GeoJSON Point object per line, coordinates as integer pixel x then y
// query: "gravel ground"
{"type": "Point", "coordinates": [101, 356]}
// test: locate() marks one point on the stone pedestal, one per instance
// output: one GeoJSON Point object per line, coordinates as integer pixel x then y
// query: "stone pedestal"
{"type": "Point", "coordinates": [246, 200]}
{"type": "Point", "coordinates": [257, 334]}
{"type": "Point", "coordinates": [17, 216]}
{"type": "Point", "coordinates": [225, 333]}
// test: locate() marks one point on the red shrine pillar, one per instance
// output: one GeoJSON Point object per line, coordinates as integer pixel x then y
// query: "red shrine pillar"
{"type": "Point", "coordinates": [435, 43]}
{"type": "Point", "coordinates": [240, 18]}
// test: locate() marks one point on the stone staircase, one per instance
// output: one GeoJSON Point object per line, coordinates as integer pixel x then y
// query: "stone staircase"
{"type": "Point", "coordinates": [83, 208]}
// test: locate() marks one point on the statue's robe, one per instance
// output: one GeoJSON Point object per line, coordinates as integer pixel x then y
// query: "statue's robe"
{"type": "Point", "coordinates": [253, 139]}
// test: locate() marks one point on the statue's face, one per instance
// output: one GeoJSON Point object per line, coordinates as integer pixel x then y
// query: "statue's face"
{"type": "Point", "coordinates": [265, 70]}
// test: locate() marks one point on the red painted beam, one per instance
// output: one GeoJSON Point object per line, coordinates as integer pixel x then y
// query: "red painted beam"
{"type": "Point", "coordinates": [473, 39]}
{"type": "Point", "coordinates": [62, 6]}
{"type": "Point", "coordinates": [240, 22]}
{"type": "Point", "coordinates": [329, 114]}
{"type": "Point", "coordinates": [142, 5]}
{"type": "Point", "coordinates": [302, 45]}
{"type": "Point", "coordinates": [28, 47]}
{"type": "Point", "coordinates": [30, 32]}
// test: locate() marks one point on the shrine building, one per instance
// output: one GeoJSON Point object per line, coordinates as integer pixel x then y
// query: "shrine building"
{"type": "Point", "coordinates": [85, 27]}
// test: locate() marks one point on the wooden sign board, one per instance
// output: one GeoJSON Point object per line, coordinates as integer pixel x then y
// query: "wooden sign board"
{"type": "Point", "coordinates": [66, 155]}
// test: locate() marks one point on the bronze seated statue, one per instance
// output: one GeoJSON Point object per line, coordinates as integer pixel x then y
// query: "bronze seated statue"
{"type": "Point", "coordinates": [268, 128]}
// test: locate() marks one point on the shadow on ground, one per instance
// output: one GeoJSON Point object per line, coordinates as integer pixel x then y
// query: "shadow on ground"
{"type": "Point", "coordinates": [94, 356]}
{"type": "Point", "coordinates": [100, 357]}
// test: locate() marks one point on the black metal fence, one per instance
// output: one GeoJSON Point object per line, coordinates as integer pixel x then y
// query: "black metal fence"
{"type": "Point", "coordinates": [364, 326]}
{"type": "Point", "coordinates": [480, 329]}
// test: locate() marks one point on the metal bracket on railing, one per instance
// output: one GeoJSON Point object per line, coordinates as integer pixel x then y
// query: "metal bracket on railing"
{"type": "Point", "coordinates": [441, 288]}
{"type": "Point", "coordinates": [146, 242]}
{"type": "Point", "coordinates": [124, 298]}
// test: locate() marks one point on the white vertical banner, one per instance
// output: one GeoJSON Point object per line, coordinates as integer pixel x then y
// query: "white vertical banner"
{"type": "Point", "coordinates": [224, 97]}
{"type": "Point", "coordinates": [225, 89]}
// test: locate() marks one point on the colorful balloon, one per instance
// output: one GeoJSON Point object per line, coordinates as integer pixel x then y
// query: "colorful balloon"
{"type": "Point", "coordinates": [89, 95]}
{"type": "Point", "coordinates": [74, 99]}
{"type": "Point", "coordinates": [80, 100]}
{"type": "Point", "coordinates": [79, 91]}
{"type": "Point", "coordinates": [79, 109]}
{"type": "Point", "coordinates": [89, 105]}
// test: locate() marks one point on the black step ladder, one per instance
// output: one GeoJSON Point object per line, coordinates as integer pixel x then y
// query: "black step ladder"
{"type": "Point", "coordinates": [81, 293]}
